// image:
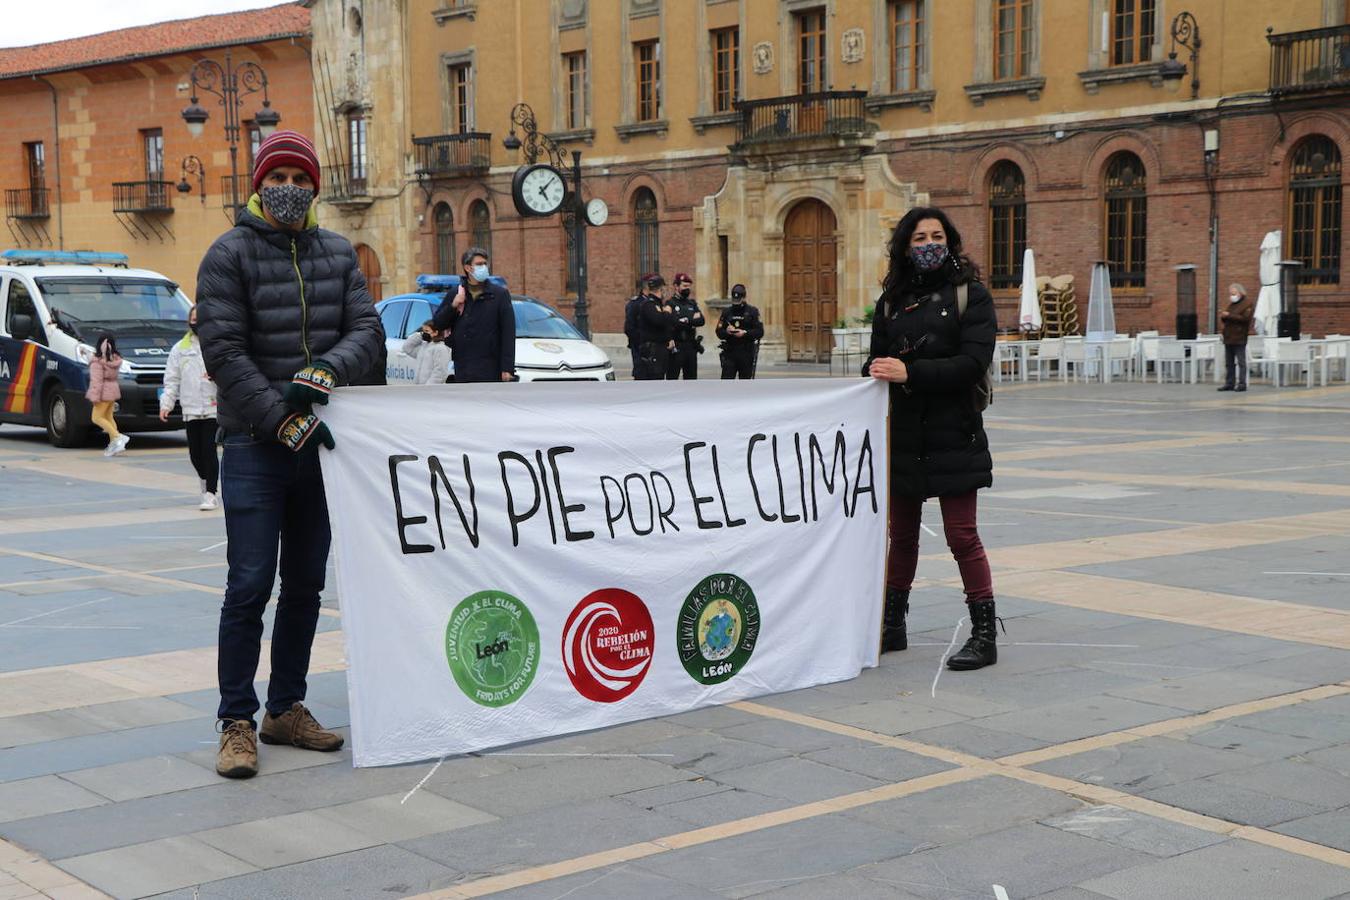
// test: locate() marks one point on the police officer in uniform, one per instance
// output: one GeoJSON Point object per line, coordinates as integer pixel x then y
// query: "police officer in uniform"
{"type": "Point", "coordinates": [740, 329]}
{"type": "Point", "coordinates": [630, 321]}
{"type": "Point", "coordinates": [656, 331]}
{"type": "Point", "coordinates": [688, 318]}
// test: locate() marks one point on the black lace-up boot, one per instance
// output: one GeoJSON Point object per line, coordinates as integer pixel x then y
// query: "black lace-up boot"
{"type": "Point", "coordinates": [893, 634]}
{"type": "Point", "coordinates": [980, 650]}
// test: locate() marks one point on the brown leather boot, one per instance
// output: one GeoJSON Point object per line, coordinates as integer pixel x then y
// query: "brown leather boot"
{"type": "Point", "coordinates": [297, 727]}
{"type": "Point", "coordinates": [238, 753]}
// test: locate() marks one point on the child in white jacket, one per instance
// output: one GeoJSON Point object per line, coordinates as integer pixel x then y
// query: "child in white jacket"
{"type": "Point", "coordinates": [187, 384]}
{"type": "Point", "coordinates": [428, 347]}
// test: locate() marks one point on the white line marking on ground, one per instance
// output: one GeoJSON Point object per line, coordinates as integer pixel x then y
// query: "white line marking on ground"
{"type": "Point", "coordinates": [1325, 574]}
{"type": "Point", "coordinates": [53, 612]}
{"type": "Point", "coordinates": [927, 529]}
{"type": "Point", "coordinates": [422, 782]}
{"type": "Point", "coordinates": [590, 755]}
{"type": "Point", "coordinates": [84, 627]}
{"type": "Point", "coordinates": [1066, 644]}
{"type": "Point", "coordinates": [1000, 893]}
{"type": "Point", "coordinates": [213, 546]}
{"type": "Point", "coordinates": [948, 652]}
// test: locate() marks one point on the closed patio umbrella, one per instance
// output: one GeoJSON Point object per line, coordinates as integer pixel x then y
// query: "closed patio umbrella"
{"type": "Point", "coordinates": [1268, 302]}
{"type": "Point", "coordinates": [1029, 316]}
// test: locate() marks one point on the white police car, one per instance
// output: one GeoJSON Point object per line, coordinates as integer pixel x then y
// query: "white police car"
{"type": "Point", "coordinates": [548, 347]}
{"type": "Point", "coordinates": [54, 305]}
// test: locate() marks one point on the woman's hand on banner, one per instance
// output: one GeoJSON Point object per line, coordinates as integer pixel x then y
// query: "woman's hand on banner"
{"type": "Point", "coordinates": [887, 368]}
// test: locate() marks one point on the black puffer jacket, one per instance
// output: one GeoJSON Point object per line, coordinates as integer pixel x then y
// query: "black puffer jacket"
{"type": "Point", "coordinates": [269, 303]}
{"type": "Point", "coordinates": [938, 444]}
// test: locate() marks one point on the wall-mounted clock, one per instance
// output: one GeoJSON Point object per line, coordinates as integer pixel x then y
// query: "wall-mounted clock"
{"type": "Point", "coordinates": [597, 212]}
{"type": "Point", "coordinates": [538, 190]}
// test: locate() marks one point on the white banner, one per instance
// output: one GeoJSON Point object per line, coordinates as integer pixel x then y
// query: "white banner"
{"type": "Point", "coordinates": [522, 561]}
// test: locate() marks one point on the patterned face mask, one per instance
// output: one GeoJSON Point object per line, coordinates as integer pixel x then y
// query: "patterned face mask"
{"type": "Point", "coordinates": [928, 257]}
{"type": "Point", "coordinates": [287, 203]}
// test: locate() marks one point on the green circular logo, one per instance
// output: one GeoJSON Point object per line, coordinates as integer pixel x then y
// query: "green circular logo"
{"type": "Point", "coordinates": [492, 645]}
{"type": "Point", "coordinates": [718, 627]}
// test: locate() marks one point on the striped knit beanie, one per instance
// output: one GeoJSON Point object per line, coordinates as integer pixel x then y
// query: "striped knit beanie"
{"type": "Point", "coordinates": [285, 148]}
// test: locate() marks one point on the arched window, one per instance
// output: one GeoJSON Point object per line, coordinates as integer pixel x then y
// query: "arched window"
{"type": "Point", "coordinates": [480, 226]}
{"type": "Point", "coordinates": [1007, 224]}
{"type": "Point", "coordinates": [647, 234]}
{"type": "Point", "coordinates": [1315, 210]}
{"type": "Point", "coordinates": [445, 238]}
{"type": "Point", "coordinates": [1126, 228]}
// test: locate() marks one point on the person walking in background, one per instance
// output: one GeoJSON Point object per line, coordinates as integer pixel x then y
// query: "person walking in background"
{"type": "Point", "coordinates": [104, 392]}
{"type": "Point", "coordinates": [932, 341]}
{"type": "Point", "coordinates": [740, 328]}
{"type": "Point", "coordinates": [428, 347]}
{"type": "Point", "coordinates": [688, 319]}
{"type": "Point", "coordinates": [481, 323]}
{"type": "Point", "coordinates": [1236, 322]}
{"type": "Point", "coordinates": [187, 384]}
{"type": "Point", "coordinates": [285, 318]}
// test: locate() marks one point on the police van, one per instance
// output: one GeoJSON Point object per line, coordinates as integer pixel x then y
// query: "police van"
{"type": "Point", "coordinates": [54, 306]}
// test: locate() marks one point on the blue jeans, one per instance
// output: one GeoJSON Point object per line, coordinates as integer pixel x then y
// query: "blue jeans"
{"type": "Point", "coordinates": [273, 500]}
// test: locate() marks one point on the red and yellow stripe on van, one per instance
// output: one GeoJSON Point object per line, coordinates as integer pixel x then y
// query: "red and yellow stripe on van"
{"type": "Point", "coordinates": [20, 397]}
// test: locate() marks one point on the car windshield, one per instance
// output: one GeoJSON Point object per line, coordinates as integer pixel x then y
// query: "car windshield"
{"type": "Point", "coordinates": [90, 303]}
{"type": "Point", "coordinates": [534, 320]}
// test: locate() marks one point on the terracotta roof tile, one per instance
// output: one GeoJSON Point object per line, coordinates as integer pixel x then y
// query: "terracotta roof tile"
{"type": "Point", "coordinates": [140, 42]}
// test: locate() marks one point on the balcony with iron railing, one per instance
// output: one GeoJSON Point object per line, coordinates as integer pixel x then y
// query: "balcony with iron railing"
{"type": "Point", "coordinates": [1310, 61]}
{"type": "Point", "coordinates": [142, 196]}
{"type": "Point", "coordinates": [27, 203]}
{"type": "Point", "coordinates": [829, 117]}
{"type": "Point", "coordinates": [243, 183]}
{"type": "Point", "coordinates": [453, 155]}
{"type": "Point", "coordinates": [345, 184]}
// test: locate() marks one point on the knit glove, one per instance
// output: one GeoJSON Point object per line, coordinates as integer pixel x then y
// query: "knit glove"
{"type": "Point", "coordinates": [297, 429]}
{"type": "Point", "coordinates": [311, 385]}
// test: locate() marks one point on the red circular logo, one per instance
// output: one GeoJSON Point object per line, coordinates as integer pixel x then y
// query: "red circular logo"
{"type": "Point", "coordinates": [607, 645]}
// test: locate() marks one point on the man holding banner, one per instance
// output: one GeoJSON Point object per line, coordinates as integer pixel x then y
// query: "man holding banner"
{"type": "Point", "coordinates": [285, 318]}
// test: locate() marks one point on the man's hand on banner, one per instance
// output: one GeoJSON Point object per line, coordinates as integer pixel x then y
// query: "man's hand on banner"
{"type": "Point", "coordinates": [297, 429]}
{"type": "Point", "coordinates": [311, 385]}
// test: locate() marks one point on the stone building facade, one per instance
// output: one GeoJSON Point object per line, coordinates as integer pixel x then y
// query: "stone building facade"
{"type": "Point", "coordinates": [776, 142]}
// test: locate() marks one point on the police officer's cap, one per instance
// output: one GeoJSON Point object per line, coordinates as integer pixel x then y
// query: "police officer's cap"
{"type": "Point", "coordinates": [654, 281]}
{"type": "Point", "coordinates": [738, 291]}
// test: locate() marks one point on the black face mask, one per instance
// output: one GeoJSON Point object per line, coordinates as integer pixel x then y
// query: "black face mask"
{"type": "Point", "coordinates": [684, 293]}
{"type": "Point", "coordinates": [737, 301]}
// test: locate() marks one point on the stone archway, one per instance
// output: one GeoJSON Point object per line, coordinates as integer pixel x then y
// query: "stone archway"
{"type": "Point", "coordinates": [810, 280]}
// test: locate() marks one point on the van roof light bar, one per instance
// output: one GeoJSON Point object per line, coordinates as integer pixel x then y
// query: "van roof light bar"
{"type": "Point", "coordinates": [63, 257]}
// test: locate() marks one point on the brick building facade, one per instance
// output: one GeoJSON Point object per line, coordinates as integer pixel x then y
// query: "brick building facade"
{"type": "Point", "coordinates": [95, 143]}
{"type": "Point", "coordinates": [1062, 125]}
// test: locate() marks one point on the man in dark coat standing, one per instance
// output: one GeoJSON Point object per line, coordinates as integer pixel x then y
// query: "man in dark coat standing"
{"type": "Point", "coordinates": [1236, 322]}
{"type": "Point", "coordinates": [482, 324]}
{"type": "Point", "coordinates": [688, 320]}
{"type": "Point", "coordinates": [284, 317]}
{"type": "Point", "coordinates": [656, 331]}
{"type": "Point", "coordinates": [741, 330]}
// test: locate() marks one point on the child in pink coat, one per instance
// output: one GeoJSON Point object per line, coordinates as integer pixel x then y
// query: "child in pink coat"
{"type": "Point", "coordinates": [104, 392]}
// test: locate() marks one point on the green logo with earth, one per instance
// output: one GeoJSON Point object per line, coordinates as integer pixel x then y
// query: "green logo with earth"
{"type": "Point", "coordinates": [492, 645]}
{"type": "Point", "coordinates": [718, 627]}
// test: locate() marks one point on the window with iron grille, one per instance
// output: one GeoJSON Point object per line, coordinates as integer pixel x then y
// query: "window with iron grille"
{"type": "Point", "coordinates": [577, 99]}
{"type": "Point", "coordinates": [1133, 23]}
{"type": "Point", "coordinates": [357, 169]}
{"type": "Point", "coordinates": [647, 234]}
{"type": "Point", "coordinates": [1007, 224]}
{"type": "Point", "coordinates": [444, 220]}
{"type": "Point", "coordinates": [726, 58]}
{"type": "Point", "coordinates": [480, 226]}
{"type": "Point", "coordinates": [647, 62]}
{"type": "Point", "coordinates": [461, 98]}
{"type": "Point", "coordinates": [1126, 214]}
{"type": "Point", "coordinates": [1315, 210]}
{"type": "Point", "coordinates": [35, 157]}
{"type": "Point", "coordinates": [152, 144]}
{"type": "Point", "coordinates": [812, 52]}
{"type": "Point", "coordinates": [1013, 38]}
{"type": "Point", "coordinates": [907, 47]}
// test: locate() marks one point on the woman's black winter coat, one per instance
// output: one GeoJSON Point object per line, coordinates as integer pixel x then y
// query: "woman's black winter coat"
{"type": "Point", "coordinates": [938, 445]}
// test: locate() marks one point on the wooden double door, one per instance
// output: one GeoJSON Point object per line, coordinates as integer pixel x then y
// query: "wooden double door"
{"type": "Point", "coordinates": [811, 280]}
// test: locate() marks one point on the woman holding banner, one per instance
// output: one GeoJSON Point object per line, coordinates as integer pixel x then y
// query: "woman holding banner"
{"type": "Point", "coordinates": [932, 340]}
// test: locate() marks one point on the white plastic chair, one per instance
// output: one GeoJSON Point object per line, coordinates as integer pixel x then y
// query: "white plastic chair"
{"type": "Point", "coordinates": [1205, 353]}
{"type": "Point", "coordinates": [1336, 352]}
{"type": "Point", "coordinates": [1073, 356]}
{"type": "Point", "coordinates": [1121, 350]}
{"type": "Point", "coordinates": [1293, 354]}
{"type": "Point", "coordinates": [1171, 354]}
{"type": "Point", "coordinates": [1148, 352]}
{"type": "Point", "coordinates": [1049, 350]}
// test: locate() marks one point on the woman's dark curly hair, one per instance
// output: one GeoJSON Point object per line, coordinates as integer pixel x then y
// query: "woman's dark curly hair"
{"type": "Point", "coordinates": [900, 275]}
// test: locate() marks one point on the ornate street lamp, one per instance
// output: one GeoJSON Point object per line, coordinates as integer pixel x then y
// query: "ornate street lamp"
{"type": "Point", "coordinates": [1185, 33]}
{"type": "Point", "coordinates": [192, 165]}
{"type": "Point", "coordinates": [231, 84]}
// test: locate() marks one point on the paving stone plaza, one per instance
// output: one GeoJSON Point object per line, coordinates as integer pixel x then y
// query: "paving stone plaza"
{"type": "Point", "coordinates": [1169, 717]}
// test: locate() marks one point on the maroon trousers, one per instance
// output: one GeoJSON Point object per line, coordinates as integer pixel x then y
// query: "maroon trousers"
{"type": "Point", "coordinates": [958, 521]}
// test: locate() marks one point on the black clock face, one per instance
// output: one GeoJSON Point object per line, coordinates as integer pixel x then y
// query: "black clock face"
{"type": "Point", "coordinates": [540, 190]}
